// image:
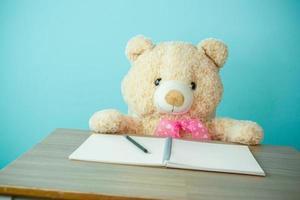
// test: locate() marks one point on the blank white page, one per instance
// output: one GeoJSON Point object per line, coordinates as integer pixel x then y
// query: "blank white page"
{"type": "Point", "coordinates": [117, 149]}
{"type": "Point", "coordinates": [213, 157]}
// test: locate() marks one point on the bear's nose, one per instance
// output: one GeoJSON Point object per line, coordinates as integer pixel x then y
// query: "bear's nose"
{"type": "Point", "coordinates": [174, 98]}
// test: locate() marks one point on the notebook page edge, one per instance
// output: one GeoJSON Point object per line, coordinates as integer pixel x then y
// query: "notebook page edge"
{"type": "Point", "coordinates": [245, 148]}
{"type": "Point", "coordinates": [118, 163]}
{"type": "Point", "coordinates": [181, 166]}
{"type": "Point", "coordinates": [75, 155]}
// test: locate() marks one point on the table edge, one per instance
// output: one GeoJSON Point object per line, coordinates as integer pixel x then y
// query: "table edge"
{"type": "Point", "coordinates": [59, 194]}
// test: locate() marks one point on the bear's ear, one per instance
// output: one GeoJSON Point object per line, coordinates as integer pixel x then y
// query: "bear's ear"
{"type": "Point", "coordinates": [215, 50]}
{"type": "Point", "coordinates": [137, 46]}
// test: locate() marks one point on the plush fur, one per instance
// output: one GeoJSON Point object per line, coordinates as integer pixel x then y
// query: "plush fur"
{"type": "Point", "coordinates": [182, 62]}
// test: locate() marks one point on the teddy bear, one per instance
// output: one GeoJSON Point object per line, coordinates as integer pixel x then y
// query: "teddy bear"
{"type": "Point", "coordinates": [175, 83]}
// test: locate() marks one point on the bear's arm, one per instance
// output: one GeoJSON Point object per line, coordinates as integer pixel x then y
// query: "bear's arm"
{"type": "Point", "coordinates": [239, 131]}
{"type": "Point", "coordinates": [112, 121]}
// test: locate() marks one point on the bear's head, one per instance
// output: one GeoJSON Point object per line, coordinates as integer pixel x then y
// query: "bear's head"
{"type": "Point", "coordinates": [174, 78]}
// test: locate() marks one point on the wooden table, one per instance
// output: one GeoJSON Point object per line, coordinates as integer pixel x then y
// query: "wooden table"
{"type": "Point", "coordinates": [46, 172]}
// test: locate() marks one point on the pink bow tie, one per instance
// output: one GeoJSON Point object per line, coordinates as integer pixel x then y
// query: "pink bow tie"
{"type": "Point", "coordinates": [172, 128]}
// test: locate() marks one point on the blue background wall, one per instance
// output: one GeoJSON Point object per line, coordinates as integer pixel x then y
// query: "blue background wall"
{"type": "Point", "coordinates": [62, 60]}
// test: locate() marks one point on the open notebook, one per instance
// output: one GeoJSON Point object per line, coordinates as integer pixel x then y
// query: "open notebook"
{"type": "Point", "coordinates": [173, 153]}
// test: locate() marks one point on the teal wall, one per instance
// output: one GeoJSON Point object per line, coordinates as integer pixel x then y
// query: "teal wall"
{"type": "Point", "coordinates": [62, 60]}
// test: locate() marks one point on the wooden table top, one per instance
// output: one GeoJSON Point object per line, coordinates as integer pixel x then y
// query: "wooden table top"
{"type": "Point", "coordinates": [46, 171]}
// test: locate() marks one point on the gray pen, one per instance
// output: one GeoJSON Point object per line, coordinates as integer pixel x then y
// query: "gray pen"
{"type": "Point", "coordinates": [136, 144]}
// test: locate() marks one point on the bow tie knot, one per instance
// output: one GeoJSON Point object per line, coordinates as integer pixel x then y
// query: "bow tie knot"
{"type": "Point", "coordinates": [172, 128]}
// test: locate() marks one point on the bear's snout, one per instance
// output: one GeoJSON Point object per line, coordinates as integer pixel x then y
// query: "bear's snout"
{"type": "Point", "coordinates": [174, 98]}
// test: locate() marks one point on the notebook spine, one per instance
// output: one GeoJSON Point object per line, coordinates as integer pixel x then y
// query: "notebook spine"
{"type": "Point", "coordinates": [167, 150]}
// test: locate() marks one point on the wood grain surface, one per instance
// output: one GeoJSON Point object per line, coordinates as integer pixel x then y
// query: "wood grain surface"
{"type": "Point", "coordinates": [46, 172]}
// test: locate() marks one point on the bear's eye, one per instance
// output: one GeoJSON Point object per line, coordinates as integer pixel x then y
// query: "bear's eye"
{"type": "Point", "coordinates": [193, 85]}
{"type": "Point", "coordinates": [156, 82]}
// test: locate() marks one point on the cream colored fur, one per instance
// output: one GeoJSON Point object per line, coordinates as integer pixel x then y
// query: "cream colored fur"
{"type": "Point", "coordinates": [174, 61]}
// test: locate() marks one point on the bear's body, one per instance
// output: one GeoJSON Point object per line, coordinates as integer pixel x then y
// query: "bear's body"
{"type": "Point", "coordinates": [174, 81]}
